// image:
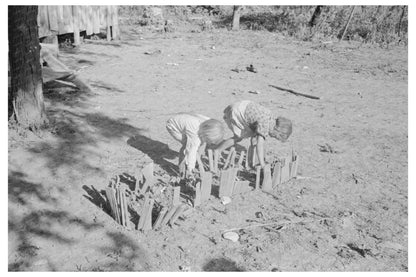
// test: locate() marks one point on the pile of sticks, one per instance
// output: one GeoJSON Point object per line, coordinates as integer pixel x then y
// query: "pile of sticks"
{"type": "Point", "coordinates": [116, 196]}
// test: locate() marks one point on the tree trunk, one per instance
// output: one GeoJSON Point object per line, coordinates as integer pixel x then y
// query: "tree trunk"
{"type": "Point", "coordinates": [315, 16]}
{"type": "Point", "coordinates": [26, 95]}
{"type": "Point", "coordinates": [400, 20]}
{"type": "Point", "coordinates": [236, 17]}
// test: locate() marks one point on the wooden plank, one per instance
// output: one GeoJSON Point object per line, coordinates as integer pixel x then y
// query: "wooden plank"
{"type": "Point", "coordinates": [258, 172]}
{"type": "Point", "coordinates": [255, 160]}
{"type": "Point", "coordinates": [168, 215]}
{"type": "Point", "coordinates": [267, 179]}
{"type": "Point", "coordinates": [177, 213]}
{"type": "Point", "coordinates": [295, 167]}
{"type": "Point", "coordinates": [216, 158]}
{"type": "Point", "coordinates": [211, 161]}
{"type": "Point", "coordinates": [67, 20]}
{"type": "Point", "coordinates": [143, 213]}
{"type": "Point", "coordinates": [119, 205]}
{"type": "Point", "coordinates": [227, 179]}
{"type": "Point", "coordinates": [53, 18]}
{"type": "Point", "coordinates": [285, 171]}
{"type": "Point", "coordinates": [197, 199]}
{"type": "Point", "coordinates": [241, 187]}
{"type": "Point", "coordinates": [200, 164]}
{"type": "Point", "coordinates": [89, 24]}
{"type": "Point", "coordinates": [148, 220]}
{"type": "Point", "coordinates": [43, 22]}
{"type": "Point", "coordinates": [108, 22]}
{"type": "Point", "coordinates": [111, 199]}
{"type": "Point", "coordinates": [76, 19]}
{"type": "Point", "coordinates": [176, 196]}
{"type": "Point", "coordinates": [116, 31]}
{"type": "Point", "coordinates": [139, 181]}
{"type": "Point", "coordinates": [248, 158]}
{"type": "Point", "coordinates": [84, 20]}
{"type": "Point", "coordinates": [276, 174]}
{"type": "Point", "coordinates": [96, 19]}
{"type": "Point", "coordinates": [241, 159]}
{"type": "Point", "coordinates": [230, 155]}
{"type": "Point", "coordinates": [125, 207]}
{"type": "Point", "coordinates": [103, 16]}
{"type": "Point", "coordinates": [159, 219]}
{"type": "Point", "coordinates": [206, 185]}
{"type": "Point", "coordinates": [147, 172]}
{"type": "Point", "coordinates": [232, 159]}
{"type": "Point", "coordinates": [60, 16]}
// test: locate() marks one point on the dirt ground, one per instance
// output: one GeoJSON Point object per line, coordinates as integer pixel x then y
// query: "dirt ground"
{"type": "Point", "coordinates": [350, 214]}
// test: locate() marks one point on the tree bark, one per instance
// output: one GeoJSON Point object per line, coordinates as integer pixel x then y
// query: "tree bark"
{"type": "Point", "coordinates": [26, 95]}
{"type": "Point", "coordinates": [400, 20]}
{"type": "Point", "coordinates": [315, 16]}
{"type": "Point", "coordinates": [236, 17]}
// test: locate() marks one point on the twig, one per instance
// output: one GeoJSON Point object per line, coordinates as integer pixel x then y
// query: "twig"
{"type": "Point", "coordinates": [275, 223]}
{"type": "Point", "coordinates": [295, 93]}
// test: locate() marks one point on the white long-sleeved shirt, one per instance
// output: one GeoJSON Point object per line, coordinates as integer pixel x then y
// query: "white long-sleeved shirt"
{"type": "Point", "coordinates": [184, 128]}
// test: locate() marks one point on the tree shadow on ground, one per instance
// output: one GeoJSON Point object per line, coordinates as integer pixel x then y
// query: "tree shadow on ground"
{"type": "Point", "coordinates": [77, 133]}
{"type": "Point", "coordinates": [221, 264]}
{"type": "Point", "coordinates": [157, 151]}
{"type": "Point", "coordinates": [125, 255]}
{"type": "Point", "coordinates": [36, 223]}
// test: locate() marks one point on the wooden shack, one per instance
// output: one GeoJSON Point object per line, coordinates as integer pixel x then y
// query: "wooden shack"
{"type": "Point", "coordinates": [57, 20]}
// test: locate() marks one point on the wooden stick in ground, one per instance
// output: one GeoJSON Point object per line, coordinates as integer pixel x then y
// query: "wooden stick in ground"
{"type": "Point", "coordinates": [111, 200]}
{"type": "Point", "coordinates": [295, 93]}
{"type": "Point", "coordinates": [258, 172]}
{"type": "Point", "coordinates": [211, 160]}
{"type": "Point", "coordinates": [216, 158]}
{"type": "Point", "coordinates": [241, 159]}
{"type": "Point", "coordinates": [148, 220]}
{"type": "Point", "coordinates": [177, 213]}
{"type": "Point", "coordinates": [176, 196]}
{"type": "Point", "coordinates": [168, 215]}
{"type": "Point", "coordinates": [232, 159]}
{"type": "Point", "coordinates": [197, 199]}
{"type": "Point", "coordinates": [267, 179]}
{"type": "Point", "coordinates": [162, 213]}
{"type": "Point", "coordinates": [108, 17]}
{"type": "Point", "coordinates": [227, 161]}
{"type": "Point", "coordinates": [200, 164]}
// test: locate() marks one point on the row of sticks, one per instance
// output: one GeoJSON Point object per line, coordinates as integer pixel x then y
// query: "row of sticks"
{"type": "Point", "coordinates": [284, 169]}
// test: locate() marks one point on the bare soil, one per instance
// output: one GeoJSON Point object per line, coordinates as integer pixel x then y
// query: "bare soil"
{"type": "Point", "coordinates": [350, 214]}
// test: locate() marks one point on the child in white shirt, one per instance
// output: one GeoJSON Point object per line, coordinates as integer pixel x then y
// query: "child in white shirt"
{"type": "Point", "coordinates": [194, 132]}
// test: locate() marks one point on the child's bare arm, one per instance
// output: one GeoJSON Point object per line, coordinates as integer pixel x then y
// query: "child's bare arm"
{"type": "Point", "coordinates": [260, 150]}
{"type": "Point", "coordinates": [226, 144]}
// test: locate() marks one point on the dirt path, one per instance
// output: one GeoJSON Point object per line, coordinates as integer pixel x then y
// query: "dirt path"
{"type": "Point", "coordinates": [55, 219]}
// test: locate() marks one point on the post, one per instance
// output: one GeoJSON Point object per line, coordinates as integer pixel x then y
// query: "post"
{"type": "Point", "coordinates": [348, 23]}
{"type": "Point", "coordinates": [108, 23]}
{"type": "Point", "coordinates": [75, 23]}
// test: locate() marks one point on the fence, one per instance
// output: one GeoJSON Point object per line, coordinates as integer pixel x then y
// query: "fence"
{"type": "Point", "coordinates": [56, 20]}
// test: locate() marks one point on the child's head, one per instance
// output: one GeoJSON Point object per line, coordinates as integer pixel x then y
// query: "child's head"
{"type": "Point", "coordinates": [211, 131]}
{"type": "Point", "coordinates": [282, 129]}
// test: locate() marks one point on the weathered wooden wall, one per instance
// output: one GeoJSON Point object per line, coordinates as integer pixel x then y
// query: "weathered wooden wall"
{"type": "Point", "coordinates": [56, 20]}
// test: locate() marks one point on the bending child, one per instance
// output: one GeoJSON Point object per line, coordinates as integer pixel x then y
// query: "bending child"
{"type": "Point", "coordinates": [247, 119]}
{"type": "Point", "coordinates": [194, 132]}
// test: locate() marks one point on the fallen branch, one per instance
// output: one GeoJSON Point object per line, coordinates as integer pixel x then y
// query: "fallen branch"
{"type": "Point", "coordinates": [295, 93]}
{"type": "Point", "coordinates": [275, 223]}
